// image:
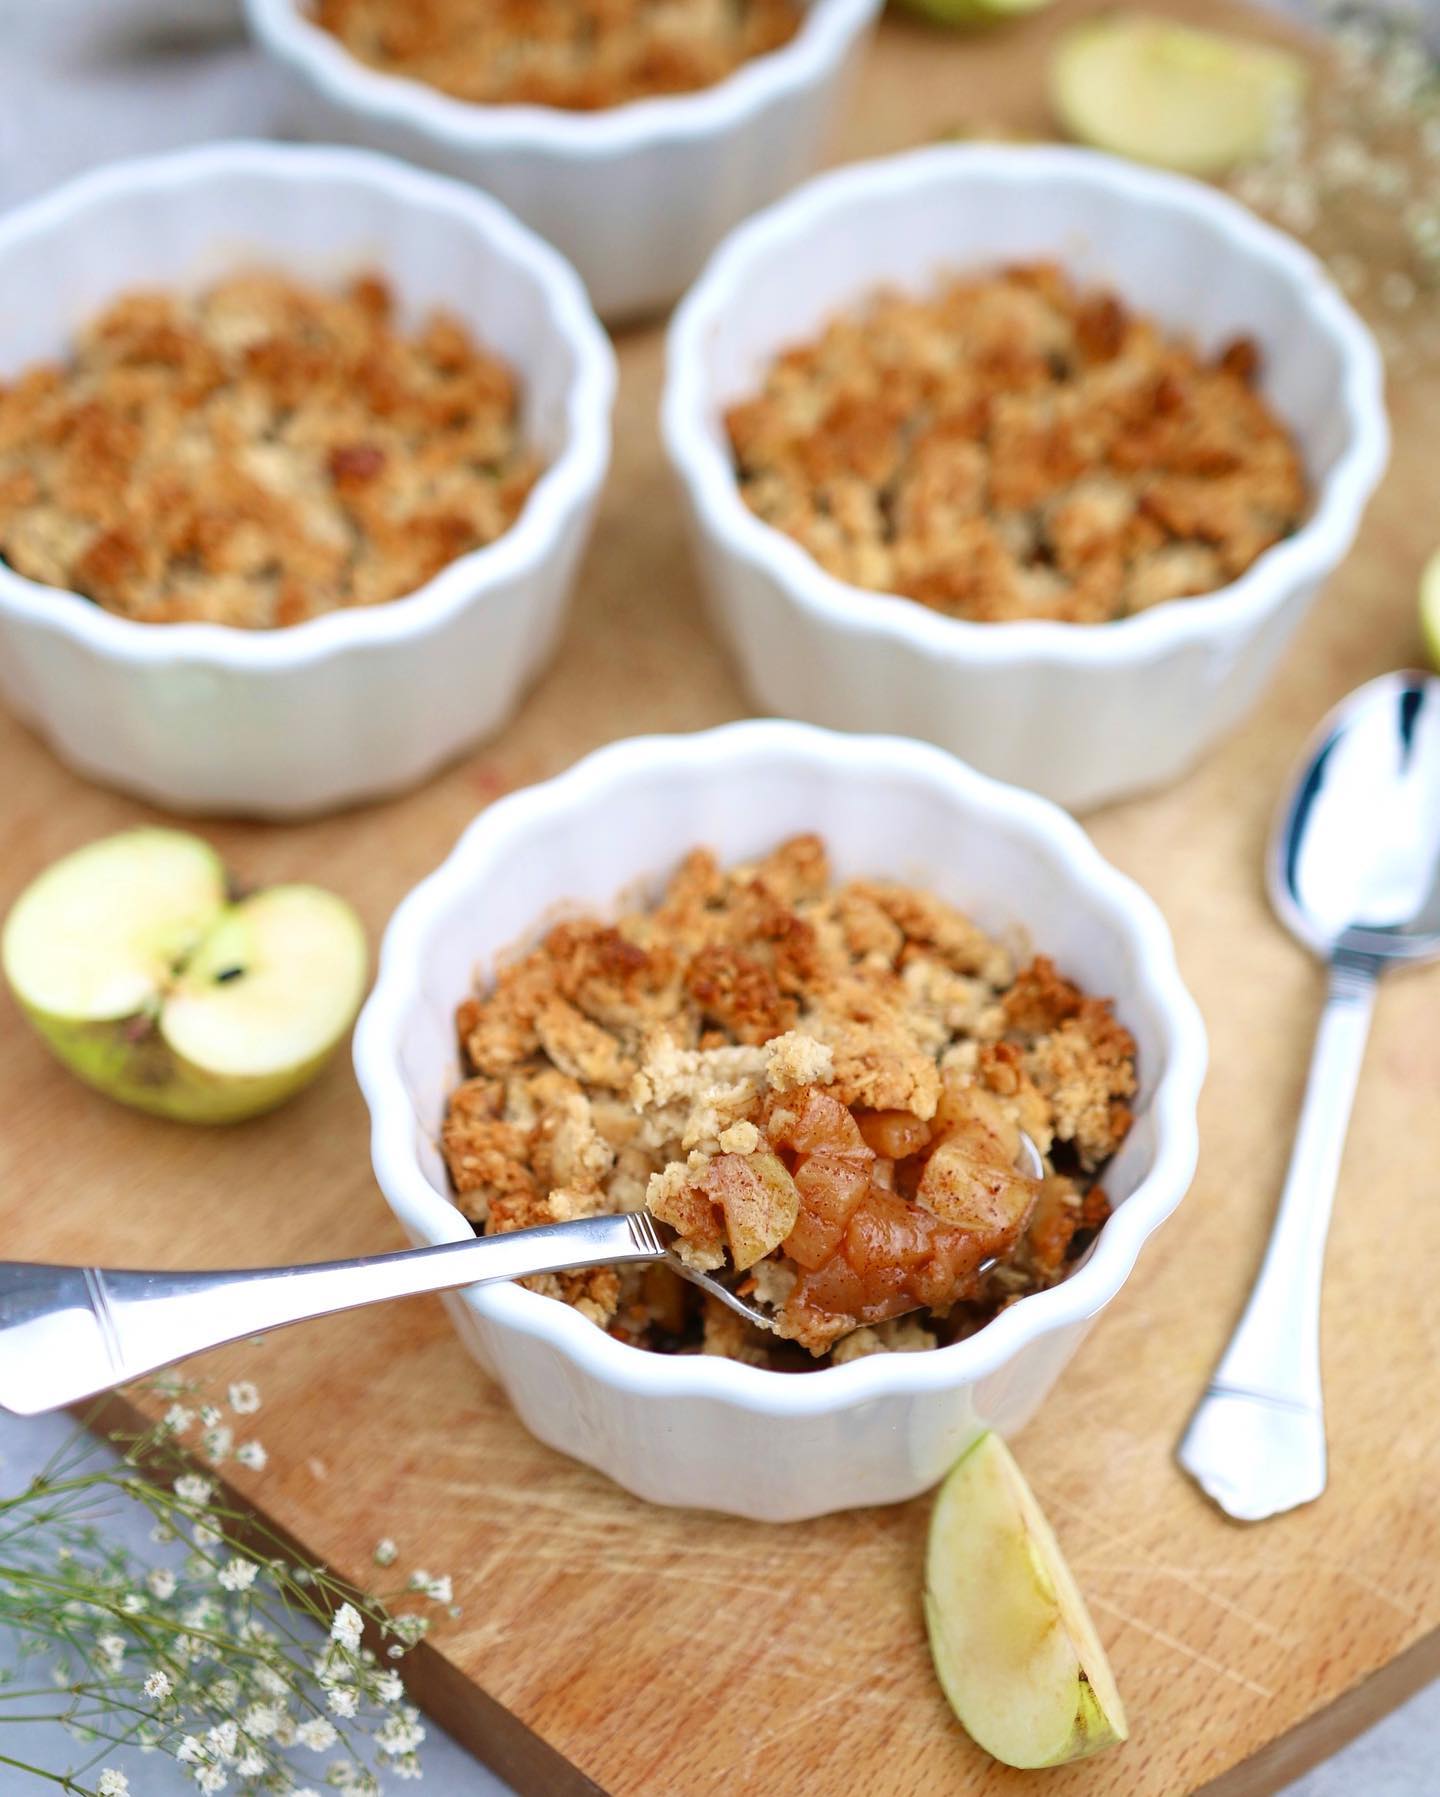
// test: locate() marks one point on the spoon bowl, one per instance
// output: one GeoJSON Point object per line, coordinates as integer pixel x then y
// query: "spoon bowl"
{"type": "Point", "coordinates": [1354, 862]}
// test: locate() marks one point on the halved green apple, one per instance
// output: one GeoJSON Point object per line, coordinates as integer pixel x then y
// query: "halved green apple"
{"type": "Point", "coordinates": [148, 980]}
{"type": "Point", "coordinates": [1016, 1651]}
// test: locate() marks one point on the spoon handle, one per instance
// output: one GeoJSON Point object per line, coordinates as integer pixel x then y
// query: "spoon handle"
{"type": "Point", "coordinates": [1256, 1443]}
{"type": "Point", "coordinates": [67, 1333]}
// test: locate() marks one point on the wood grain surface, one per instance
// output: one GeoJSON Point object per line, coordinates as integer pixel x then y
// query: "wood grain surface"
{"type": "Point", "coordinates": [605, 1644]}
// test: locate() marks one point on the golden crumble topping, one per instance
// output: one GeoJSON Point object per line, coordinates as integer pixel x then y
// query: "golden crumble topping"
{"type": "Point", "coordinates": [1018, 447]}
{"type": "Point", "coordinates": [257, 454]}
{"type": "Point", "coordinates": [819, 1087]}
{"type": "Point", "coordinates": [578, 54]}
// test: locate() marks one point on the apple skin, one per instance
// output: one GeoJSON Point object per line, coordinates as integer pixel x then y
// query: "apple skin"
{"type": "Point", "coordinates": [129, 1060]}
{"type": "Point", "coordinates": [972, 12]}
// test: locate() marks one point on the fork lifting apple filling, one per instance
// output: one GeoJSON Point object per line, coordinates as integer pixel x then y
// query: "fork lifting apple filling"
{"type": "Point", "coordinates": [873, 1214]}
{"type": "Point", "coordinates": [820, 1087]}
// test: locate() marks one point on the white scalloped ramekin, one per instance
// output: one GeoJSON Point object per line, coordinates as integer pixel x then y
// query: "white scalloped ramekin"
{"type": "Point", "coordinates": [709, 1432]}
{"type": "Point", "coordinates": [635, 195]}
{"type": "Point", "coordinates": [1081, 713]}
{"type": "Point", "coordinates": [360, 702]}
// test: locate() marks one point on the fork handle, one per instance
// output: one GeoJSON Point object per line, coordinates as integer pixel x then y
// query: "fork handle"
{"type": "Point", "coordinates": [1256, 1443]}
{"type": "Point", "coordinates": [67, 1333]}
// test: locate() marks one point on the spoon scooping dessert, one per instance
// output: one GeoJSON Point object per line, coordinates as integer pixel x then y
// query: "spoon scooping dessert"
{"type": "Point", "coordinates": [1354, 873]}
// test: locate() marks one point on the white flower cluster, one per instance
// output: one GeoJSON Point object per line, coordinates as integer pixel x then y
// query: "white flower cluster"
{"type": "Point", "coordinates": [201, 1660]}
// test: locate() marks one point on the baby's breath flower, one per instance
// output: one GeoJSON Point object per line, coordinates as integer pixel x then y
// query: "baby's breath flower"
{"type": "Point", "coordinates": [436, 1588]}
{"type": "Point", "coordinates": [386, 1552]}
{"type": "Point", "coordinates": [222, 1738]}
{"type": "Point", "coordinates": [317, 1733]}
{"type": "Point", "coordinates": [260, 1721]}
{"type": "Point", "coordinates": [224, 1693]}
{"type": "Point", "coordinates": [237, 1574]}
{"type": "Point", "coordinates": [164, 1636]}
{"type": "Point", "coordinates": [400, 1734]}
{"type": "Point", "coordinates": [410, 1627]}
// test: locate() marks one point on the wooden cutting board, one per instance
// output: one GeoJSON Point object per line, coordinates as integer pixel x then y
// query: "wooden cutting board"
{"type": "Point", "coordinates": [606, 1644]}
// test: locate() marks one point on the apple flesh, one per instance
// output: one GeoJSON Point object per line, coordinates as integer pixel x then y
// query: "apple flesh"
{"type": "Point", "coordinates": [148, 980]}
{"type": "Point", "coordinates": [1014, 1646]}
{"type": "Point", "coordinates": [1182, 98]}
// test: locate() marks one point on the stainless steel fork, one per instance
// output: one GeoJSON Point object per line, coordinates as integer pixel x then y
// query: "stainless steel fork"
{"type": "Point", "coordinates": [67, 1333]}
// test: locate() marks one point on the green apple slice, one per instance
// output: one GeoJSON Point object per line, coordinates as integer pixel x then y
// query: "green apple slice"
{"type": "Point", "coordinates": [1430, 608]}
{"type": "Point", "coordinates": [1160, 92]}
{"type": "Point", "coordinates": [146, 979]}
{"type": "Point", "coordinates": [974, 12]}
{"type": "Point", "coordinates": [1014, 1646]}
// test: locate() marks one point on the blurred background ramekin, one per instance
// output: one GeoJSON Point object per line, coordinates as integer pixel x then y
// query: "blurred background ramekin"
{"type": "Point", "coordinates": [359, 702]}
{"type": "Point", "coordinates": [699, 1429]}
{"type": "Point", "coordinates": [1081, 713]}
{"type": "Point", "coordinates": [635, 195]}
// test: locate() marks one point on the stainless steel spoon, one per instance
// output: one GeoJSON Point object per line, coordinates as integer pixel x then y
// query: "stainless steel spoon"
{"type": "Point", "coordinates": [1354, 872]}
{"type": "Point", "coordinates": [68, 1333]}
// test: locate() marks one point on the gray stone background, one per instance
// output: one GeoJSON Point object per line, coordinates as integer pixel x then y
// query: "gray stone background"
{"type": "Point", "coordinates": [83, 82]}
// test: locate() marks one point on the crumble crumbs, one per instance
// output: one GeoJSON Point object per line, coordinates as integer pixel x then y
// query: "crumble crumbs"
{"type": "Point", "coordinates": [853, 1171]}
{"type": "Point", "coordinates": [582, 55]}
{"type": "Point", "coordinates": [257, 454]}
{"type": "Point", "coordinates": [1018, 447]}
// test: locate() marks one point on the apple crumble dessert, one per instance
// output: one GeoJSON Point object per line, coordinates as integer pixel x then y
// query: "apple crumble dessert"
{"type": "Point", "coordinates": [582, 55]}
{"type": "Point", "coordinates": [818, 1086]}
{"type": "Point", "coordinates": [1018, 447]}
{"type": "Point", "coordinates": [257, 454]}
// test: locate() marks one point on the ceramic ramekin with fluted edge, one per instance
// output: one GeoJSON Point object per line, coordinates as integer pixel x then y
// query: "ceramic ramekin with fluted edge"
{"type": "Point", "coordinates": [635, 195]}
{"type": "Point", "coordinates": [1081, 713]}
{"type": "Point", "coordinates": [704, 1431]}
{"type": "Point", "coordinates": [356, 703]}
